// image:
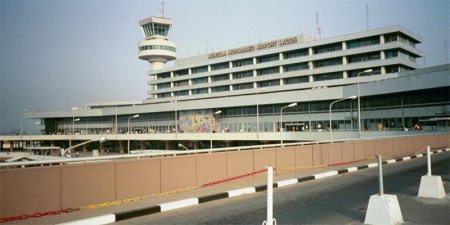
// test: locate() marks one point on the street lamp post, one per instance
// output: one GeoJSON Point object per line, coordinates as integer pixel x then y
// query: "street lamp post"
{"type": "Point", "coordinates": [182, 146]}
{"type": "Point", "coordinates": [281, 120]}
{"type": "Point", "coordinates": [257, 111]}
{"type": "Point", "coordinates": [359, 103]}
{"type": "Point", "coordinates": [129, 118]}
{"type": "Point", "coordinates": [212, 126]}
{"type": "Point", "coordinates": [176, 116]}
{"type": "Point", "coordinates": [73, 124]}
{"type": "Point", "coordinates": [331, 127]}
{"type": "Point", "coordinates": [100, 140]}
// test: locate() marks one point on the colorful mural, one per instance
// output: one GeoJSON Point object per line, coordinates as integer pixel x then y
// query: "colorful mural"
{"type": "Point", "coordinates": [198, 121]}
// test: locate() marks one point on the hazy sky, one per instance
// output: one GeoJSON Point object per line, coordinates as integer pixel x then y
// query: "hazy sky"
{"type": "Point", "coordinates": [60, 54]}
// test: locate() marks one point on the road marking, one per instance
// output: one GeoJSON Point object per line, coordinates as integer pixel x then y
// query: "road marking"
{"type": "Point", "coordinates": [406, 158]}
{"type": "Point", "coordinates": [287, 182]}
{"type": "Point", "coordinates": [351, 169]}
{"type": "Point", "coordinates": [372, 165]}
{"type": "Point", "coordinates": [391, 161]}
{"type": "Point", "coordinates": [325, 174]}
{"type": "Point", "coordinates": [98, 220]}
{"type": "Point", "coordinates": [242, 191]}
{"type": "Point", "coordinates": [178, 204]}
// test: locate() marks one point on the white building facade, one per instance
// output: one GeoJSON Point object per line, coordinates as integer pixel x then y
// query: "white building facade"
{"type": "Point", "coordinates": [242, 90]}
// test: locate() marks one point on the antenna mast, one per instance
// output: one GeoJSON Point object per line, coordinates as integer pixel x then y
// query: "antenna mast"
{"type": "Point", "coordinates": [317, 26]}
{"type": "Point", "coordinates": [162, 8]}
{"type": "Point", "coordinates": [367, 17]}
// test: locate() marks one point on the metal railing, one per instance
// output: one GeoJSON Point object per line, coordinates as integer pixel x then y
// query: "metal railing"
{"type": "Point", "coordinates": [63, 161]}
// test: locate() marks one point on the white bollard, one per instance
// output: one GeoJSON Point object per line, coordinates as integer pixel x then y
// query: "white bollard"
{"type": "Point", "coordinates": [428, 161]}
{"type": "Point", "coordinates": [270, 220]}
{"type": "Point", "coordinates": [383, 208]}
{"type": "Point", "coordinates": [431, 186]}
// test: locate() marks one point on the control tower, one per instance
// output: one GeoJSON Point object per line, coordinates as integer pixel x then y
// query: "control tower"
{"type": "Point", "coordinates": [156, 48]}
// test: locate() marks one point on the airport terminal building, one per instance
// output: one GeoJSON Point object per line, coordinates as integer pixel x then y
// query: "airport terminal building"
{"type": "Point", "coordinates": [247, 93]}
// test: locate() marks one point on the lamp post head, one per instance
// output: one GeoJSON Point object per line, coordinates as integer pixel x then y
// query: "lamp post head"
{"type": "Point", "coordinates": [292, 104]}
{"type": "Point", "coordinates": [135, 116]}
{"type": "Point", "coordinates": [76, 120]}
{"type": "Point", "coordinates": [368, 71]}
{"type": "Point", "coordinates": [352, 97]}
{"type": "Point", "coordinates": [102, 140]}
{"type": "Point", "coordinates": [218, 112]}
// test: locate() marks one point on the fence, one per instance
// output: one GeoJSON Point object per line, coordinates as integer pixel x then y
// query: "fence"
{"type": "Point", "coordinates": [41, 189]}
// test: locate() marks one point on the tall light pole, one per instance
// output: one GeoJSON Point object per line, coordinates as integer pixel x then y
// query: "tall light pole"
{"type": "Point", "coordinates": [21, 121]}
{"type": "Point", "coordinates": [73, 124]}
{"type": "Point", "coordinates": [359, 103]}
{"type": "Point", "coordinates": [129, 118]}
{"type": "Point", "coordinates": [100, 140]}
{"type": "Point", "coordinates": [342, 99]}
{"type": "Point", "coordinates": [182, 146]}
{"type": "Point", "coordinates": [257, 110]}
{"type": "Point", "coordinates": [176, 115]}
{"type": "Point", "coordinates": [281, 120]}
{"type": "Point", "coordinates": [212, 126]}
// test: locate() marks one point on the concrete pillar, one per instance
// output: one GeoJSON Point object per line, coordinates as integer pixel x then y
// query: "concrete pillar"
{"type": "Point", "coordinates": [168, 145]}
{"type": "Point", "coordinates": [381, 39]}
{"type": "Point", "coordinates": [196, 145]}
{"type": "Point", "coordinates": [102, 148]}
{"type": "Point", "coordinates": [345, 74]}
{"type": "Point", "coordinates": [121, 149]}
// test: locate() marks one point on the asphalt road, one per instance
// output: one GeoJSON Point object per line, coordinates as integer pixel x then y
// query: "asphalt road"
{"type": "Point", "coordinates": [341, 199]}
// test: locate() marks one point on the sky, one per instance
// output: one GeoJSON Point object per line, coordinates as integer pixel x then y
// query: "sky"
{"type": "Point", "coordinates": [61, 54]}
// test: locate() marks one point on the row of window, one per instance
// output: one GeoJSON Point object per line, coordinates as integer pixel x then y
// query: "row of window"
{"type": "Point", "coordinates": [393, 53]}
{"type": "Point", "coordinates": [153, 29]}
{"type": "Point", "coordinates": [410, 99]}
{"type": "Point", "coordinates": [276, 82]}
{"type": "Point", "coordinates": [157, 47]}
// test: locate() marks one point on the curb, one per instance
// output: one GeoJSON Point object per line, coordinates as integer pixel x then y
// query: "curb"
{"type": "Point", "coordinates": [115, 217]}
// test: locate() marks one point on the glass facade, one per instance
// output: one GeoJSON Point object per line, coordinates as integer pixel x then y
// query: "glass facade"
{"type": "Point", "coordinates": [363, 42]}
{"type": "Point", "coordinates": [153, 29]}
{"type": "Point", "coordinates": [303, 117]}
{"type": "Point", "coordinates": [309, 60]}
{"type": "Point", "coordinates": [157, 47]}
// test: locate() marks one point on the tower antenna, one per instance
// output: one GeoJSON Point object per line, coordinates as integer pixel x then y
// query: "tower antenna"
{"type": "Point", "coordinates": [318, 33]}
{"type": "Point", "coordinates": [162, 8]}
{"type": "Point", "coordinates": [446, 52]}
{"type": "Point", "coordinates": [367, 17]}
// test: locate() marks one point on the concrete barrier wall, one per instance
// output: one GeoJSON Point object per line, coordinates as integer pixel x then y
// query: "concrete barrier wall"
{"type": "Point", "coordinates": [41, 189]}
{"type": "Point", "coordinates": [211, 167]}
{"type": "Point", "coordinates": [30, 190]}
{"type": "Point", "coordinates": [137, 178]}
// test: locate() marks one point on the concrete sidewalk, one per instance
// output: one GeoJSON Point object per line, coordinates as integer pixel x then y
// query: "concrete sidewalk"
{"type": "Point", "coordinates": [210, 193]}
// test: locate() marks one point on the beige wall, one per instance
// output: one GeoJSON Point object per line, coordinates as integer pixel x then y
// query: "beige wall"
{"type": "Point", "coordinates": [41, 189]}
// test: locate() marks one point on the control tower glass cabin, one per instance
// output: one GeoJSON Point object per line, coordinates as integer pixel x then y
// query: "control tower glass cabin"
{"type": "Point", "coordinates": [156, 48]}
